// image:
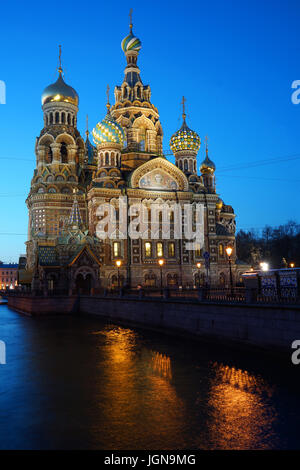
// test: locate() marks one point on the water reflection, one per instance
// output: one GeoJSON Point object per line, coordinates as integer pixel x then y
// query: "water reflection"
{"type": "Point", "coordinates": [241, 415]}
{"type": "Point", "coordinates": [80, 383]}
{"type": "Point", "coordinates": [141, 406]}
{"type": "Point", "coordinates": [161, 364]}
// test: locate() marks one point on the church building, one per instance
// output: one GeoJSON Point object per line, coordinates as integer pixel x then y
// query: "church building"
{"type": "Point", "coordinates": [122, 157]}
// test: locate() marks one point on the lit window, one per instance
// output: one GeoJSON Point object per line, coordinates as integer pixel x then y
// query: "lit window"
{"type": "Point", "coordinates": [197, 250]}
{"type": "Point", "coordinates": [221, 250]}
{"type": "Point", "coordinates": [148, 249]}
{"type": "Point", "coordinates": [159, 249]}
{"type": "Point", "coordinates": [116, 249]}
{"type": "Point", "coordinates": [171, 250]}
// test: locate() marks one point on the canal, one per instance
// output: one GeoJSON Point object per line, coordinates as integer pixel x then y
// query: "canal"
{"type": "Point", "coordinates": [81, 383]}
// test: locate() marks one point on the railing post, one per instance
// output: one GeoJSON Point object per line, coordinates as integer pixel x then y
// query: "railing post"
{"type": "Point", "coordinates": [200, 294]}
{"type": "Point", "coordinates": [166, 293]}
{"type": "Point", "coordinates": [141, 293]}
{"type": "Point", "coordinates": [251, 295]}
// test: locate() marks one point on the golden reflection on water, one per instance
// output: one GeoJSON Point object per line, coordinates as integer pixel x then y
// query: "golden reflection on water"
{"type": "Point", "coordinates": [141, 404]}
{"type": "Point", "coordinates": [241, 415]}
{"type": "Point", "coordinates": [161, 364]}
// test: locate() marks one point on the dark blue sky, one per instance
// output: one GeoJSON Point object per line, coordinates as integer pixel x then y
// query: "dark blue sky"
{"type": "Point", "coordinates": [234, 61]}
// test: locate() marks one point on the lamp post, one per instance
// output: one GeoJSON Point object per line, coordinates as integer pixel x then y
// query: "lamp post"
{"type": "Point", "coordinates": [161, 263]}
{"type": "Point", "coordinates": [118, 264]}
{"type": "Point", "coordinates": [198, 267]}
{"type": "Point", "coordinates": [229, 252]}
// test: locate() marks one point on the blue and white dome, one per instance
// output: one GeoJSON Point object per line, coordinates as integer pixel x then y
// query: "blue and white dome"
{"type": "Point", "coordinates": [108, 131]}
{"type": "Point", "coordinates": [131, 43]}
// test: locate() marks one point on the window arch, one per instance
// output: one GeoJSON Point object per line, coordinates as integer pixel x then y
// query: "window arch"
{"type": "Point", "coordinates": [64, 152]}
{"type": "Point", "coordinates": [221, 250]}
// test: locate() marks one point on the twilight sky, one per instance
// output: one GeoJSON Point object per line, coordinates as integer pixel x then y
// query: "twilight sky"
{"type": "Point", "coordinates": [234, 62]}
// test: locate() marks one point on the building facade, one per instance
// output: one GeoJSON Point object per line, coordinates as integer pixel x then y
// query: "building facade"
{"type": "Point", "coordinates": [8, 276]}
{"type": "Point", "coordinates": [74, 177]}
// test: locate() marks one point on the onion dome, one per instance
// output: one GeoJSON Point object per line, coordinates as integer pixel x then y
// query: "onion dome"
{"type": "Point", "coordinates": [219, 204]}
{"type": "Point", "coordinates": [108, 131]}
{"type": "Point", "coordinates": [60, 92]}
{"type": "Point", "coordinates": [131, 43]}
{"type": "Point", "coordinates": [185, 139]}
{"type": "Point", "coordinates": [207, 166]}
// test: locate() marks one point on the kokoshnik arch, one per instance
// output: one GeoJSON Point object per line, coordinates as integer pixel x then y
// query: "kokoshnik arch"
{"type": "Point", "coordinates": [74, 176]}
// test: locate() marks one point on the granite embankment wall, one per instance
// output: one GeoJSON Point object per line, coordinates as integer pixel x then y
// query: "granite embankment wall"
{"type": "Point", "coordinates": [44, 305]}
{"type": "Point", "coordinates": [271, 327]}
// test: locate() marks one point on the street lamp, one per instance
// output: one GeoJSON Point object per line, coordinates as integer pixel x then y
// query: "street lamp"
{"type": "Point", "coordinates": [198, 267]}
{"type": "Point", "coordinates": [292, 265]}
{"type": "Point", "coordinates": [264, 266]}
{"type": "Point", "coordinates": [161, 263]}
{"type": "Point", "coordinates": [118, 264]}
{"type": "Point", "coordinates": [229, 253]}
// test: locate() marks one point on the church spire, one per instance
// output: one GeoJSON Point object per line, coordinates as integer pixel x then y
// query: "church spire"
{"type": "Point", "coordinates": [75, 220]}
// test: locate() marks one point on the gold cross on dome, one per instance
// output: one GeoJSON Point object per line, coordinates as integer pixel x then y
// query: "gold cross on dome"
{"type": "Point", "coordinates": [59, 60]}
{"type": "Point", "coordinates": [183, 107]}
{"type": "Point", "coordinates": [107, 94]}
{"type": "Point", "coordinates": [87, 125]}
{"type": "Point", "coordinates": [130, 19]}
{"type": "Point", "coordinates": [206, 143]}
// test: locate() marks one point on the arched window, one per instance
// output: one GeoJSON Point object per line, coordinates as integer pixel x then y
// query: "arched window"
{"type": "Point", "coordinates": [64, 152]}
{"type": "Point", "coordinates": [150, 280]}
{"type": "Point", "coordinates": [106, 158]}
{"type": "Point", "coordinates": [63, 118]}
{"type": "Point", "coordinates": [56, 118]}
{"type": "Point", "coordinates": [51, 118]}
{"type": "Point", "coordinates": [185, 165]}
{"type": "Point", "coordinates": [221, 250]}
{"type": "Point", "coordinates": [142, 145]}
{"type": "Point", "coordinates": [159, 249]}
{"type": "Point", "coordinates": [69, 119]}
{"type": "Point", "coordinates": [172, 279]}
{"type": "Point", "coordinates": [49, 155]}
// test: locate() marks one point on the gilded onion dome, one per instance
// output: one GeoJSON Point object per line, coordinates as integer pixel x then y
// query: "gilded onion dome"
{"type": "Point", "coordinates": [108, 131]}
{"type": "Point", "coordinates": [60, 92]}
{"type": "Point", "coordinates": [185, 139]}
{"type": "Point", "coordinates": [219, 204]}
{"type": "Point", "coordinates": [131, 43]}
{"type": "Point", "coordinates": [207, 166]}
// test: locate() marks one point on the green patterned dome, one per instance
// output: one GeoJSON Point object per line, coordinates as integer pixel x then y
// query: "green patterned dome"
{"type": "Point", "coordinates": [185, 139]}
{"type": "Point", "coordinates": [108, 131]}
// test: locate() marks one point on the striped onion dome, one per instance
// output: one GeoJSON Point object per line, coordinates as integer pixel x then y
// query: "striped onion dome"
{"type": "Point", "coordinates": [131, 43]}
{"type": "Point", "coordinates": [184, 139]}
{"type": "Point", "coordinates": [108, 131]}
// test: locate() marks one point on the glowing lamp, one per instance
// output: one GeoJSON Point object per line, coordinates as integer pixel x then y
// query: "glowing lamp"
{"type": "Point", "coordinates": [229, 251]}
{"type": "Point", "coordinates": [264, 266]}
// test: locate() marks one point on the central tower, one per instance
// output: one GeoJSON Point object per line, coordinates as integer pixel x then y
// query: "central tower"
{"type": "Point", "coordinates": [134, 110]}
